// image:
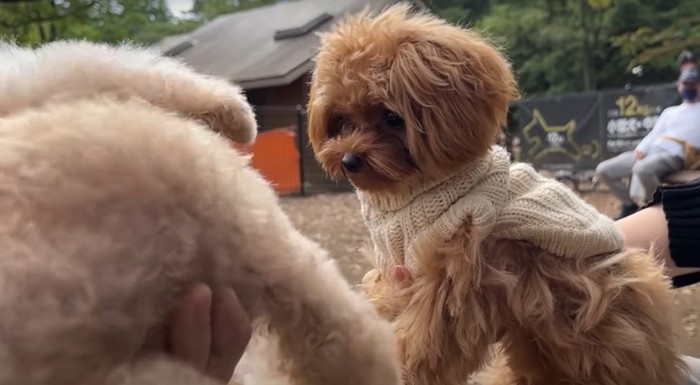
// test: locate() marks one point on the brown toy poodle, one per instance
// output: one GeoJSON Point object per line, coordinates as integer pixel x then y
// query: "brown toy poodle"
{"type": "Point", "coordinates": [115, 196]}
{"type": "Point", "coordinates": [470, 252]}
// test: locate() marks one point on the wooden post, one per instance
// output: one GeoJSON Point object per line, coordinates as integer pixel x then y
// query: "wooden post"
{"type": "Point", "coordinates": [301, 131]}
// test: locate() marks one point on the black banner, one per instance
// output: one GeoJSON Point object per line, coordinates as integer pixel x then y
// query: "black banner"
{"type": "Point", "coordinates": [579, 131]}
{"type": "Point", "coordinates": [560, 132]}
{"type": "Point", "coordinates": [629, 115]}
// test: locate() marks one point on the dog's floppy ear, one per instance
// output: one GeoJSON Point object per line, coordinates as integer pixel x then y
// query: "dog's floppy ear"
{"type": "Point", "coordinates": [453, 88]}
{"type": "Point", "coordinates": [317, 116]}
{"type": "Point", "coordinates": [68, 70]}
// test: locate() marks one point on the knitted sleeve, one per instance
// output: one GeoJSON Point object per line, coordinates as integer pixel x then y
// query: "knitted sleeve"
{"type": "Point", "coordinates": [681, 205]}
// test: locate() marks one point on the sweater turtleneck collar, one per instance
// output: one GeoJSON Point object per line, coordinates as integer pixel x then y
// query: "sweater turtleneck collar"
{"type": "Point", "coordinates": [460, 182]}
{"type": "Point", "coordinates": [428, 213]}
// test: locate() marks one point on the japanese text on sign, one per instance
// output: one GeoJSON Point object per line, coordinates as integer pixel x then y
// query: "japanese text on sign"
{"type": "Point", "coordinates": [629, 122]}
{"type": "Point", "coordinates": [633, 126]}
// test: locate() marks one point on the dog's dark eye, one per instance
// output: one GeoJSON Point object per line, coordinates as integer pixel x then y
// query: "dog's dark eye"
{"type": "Point", "coordinates": [392, 119]}
{"type": "Point", "coordinates": [336, 126]}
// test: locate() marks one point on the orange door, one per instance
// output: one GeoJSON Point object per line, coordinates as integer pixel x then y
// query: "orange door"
{"type": "Point", "coordinates": [276, 157]}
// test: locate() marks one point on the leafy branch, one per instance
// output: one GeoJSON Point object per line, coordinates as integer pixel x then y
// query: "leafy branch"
{"type": "Point", "coordinates": [646, 44]}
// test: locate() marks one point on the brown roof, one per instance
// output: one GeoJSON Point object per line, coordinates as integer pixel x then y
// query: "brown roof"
{"type": "Point", "coordinates": [263, 47]}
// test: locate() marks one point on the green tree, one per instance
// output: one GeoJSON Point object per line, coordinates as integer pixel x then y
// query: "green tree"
{"type": "Point", "coordinates": [576, 45]}
{"type": "Point", "coordinates": [556, 46]}
{"type": "Point", "coordinates": [662, 37]}
{"type": "Point", "coordinates": [33, 22]}
{"type": "Point", "coordinates": [206, 10]}
{"type": "Point", "coordinates": [460, 11]}
{"type": "Point", "coordinates": [40, 21]}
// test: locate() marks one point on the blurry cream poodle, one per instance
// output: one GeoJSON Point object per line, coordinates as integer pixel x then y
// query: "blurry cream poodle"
{"type": "Point", "coordinates": [115, 197]}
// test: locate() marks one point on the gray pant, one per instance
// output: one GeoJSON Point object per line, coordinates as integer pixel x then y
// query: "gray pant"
{"type": "Point", "coordinates": [694, 370]}
{"type": "Point", "coordinates": [645, 174]}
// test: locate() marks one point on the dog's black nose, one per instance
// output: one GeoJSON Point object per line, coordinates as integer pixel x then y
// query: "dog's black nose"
{"type": "Point", "coordinates": [351, 163]}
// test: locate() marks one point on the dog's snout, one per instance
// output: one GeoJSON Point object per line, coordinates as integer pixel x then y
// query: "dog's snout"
{"type": "Point", "coordinates": [351, 163]}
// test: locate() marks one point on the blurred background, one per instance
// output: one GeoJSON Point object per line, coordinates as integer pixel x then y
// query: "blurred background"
{"type": "Point", "coordinates": [594, 74]}
{"type": "Point", "coordinates": [556, 45]}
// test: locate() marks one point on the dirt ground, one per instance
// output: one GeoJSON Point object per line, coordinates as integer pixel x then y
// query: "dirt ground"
{"type": "Point", "coordinates": [334, 221]}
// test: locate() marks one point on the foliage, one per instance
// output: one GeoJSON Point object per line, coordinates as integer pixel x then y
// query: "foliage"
{"type": "Point", "coordinates": [209, 9]}
{"type": "Point", "coordinates": [555, 46]}
{"type": "Point", "coordinates": [647, 44]}
{"type": "Point", "coordinates": [461, 11]}
{"type": "Point", "coordinates": [576, 45]}
{"type": "Point", "coordinates": [33, 22]}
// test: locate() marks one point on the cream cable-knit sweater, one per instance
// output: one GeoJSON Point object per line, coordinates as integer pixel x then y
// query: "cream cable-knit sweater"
{"type": "Point", "coordinates": [504, 201]}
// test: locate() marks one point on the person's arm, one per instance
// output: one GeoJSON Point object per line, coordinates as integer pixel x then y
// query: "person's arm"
{"type": "Point", "coordinates": [658, 130]}
{"type": "Point", "coordinates": [670, 226]}
{"type": "Point", "coordinates": [647, 229]}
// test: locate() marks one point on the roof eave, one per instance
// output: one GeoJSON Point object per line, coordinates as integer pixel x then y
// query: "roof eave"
{"type": "Point", "coordinates": [276, 81]}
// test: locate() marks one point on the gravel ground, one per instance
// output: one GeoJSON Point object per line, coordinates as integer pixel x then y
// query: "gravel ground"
{"type": "Point", "coordinates": [334, 221]}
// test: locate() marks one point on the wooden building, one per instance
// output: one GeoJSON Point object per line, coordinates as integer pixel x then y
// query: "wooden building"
{"type": "Point", "coordinates": [269, 51]}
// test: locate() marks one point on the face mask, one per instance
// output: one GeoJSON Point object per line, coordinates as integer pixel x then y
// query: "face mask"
{"type": "Point", "coordinates": [689, 94]}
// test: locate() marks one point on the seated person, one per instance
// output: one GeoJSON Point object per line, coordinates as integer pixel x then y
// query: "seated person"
{"type": "Point", "coordinates": [660, 153]}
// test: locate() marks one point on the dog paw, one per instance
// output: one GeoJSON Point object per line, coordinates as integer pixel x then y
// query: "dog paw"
{"type": "Point", "coordinates": [233, 118]}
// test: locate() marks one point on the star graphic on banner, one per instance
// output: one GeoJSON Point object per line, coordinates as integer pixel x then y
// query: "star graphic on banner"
{"type": "Point", "coordinates": [538, 134]}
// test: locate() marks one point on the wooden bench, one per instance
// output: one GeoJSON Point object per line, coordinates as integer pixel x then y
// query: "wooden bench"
{"type": "Point", "coordinates": [681, 177]}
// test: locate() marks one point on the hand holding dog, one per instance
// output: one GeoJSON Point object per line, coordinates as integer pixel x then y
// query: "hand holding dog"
{"type": "Point", "coordinates": [210, 330]}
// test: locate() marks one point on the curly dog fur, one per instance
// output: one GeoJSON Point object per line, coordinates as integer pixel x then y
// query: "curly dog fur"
{"type": "Point", "coordinates": [402, 96]}
{"type": "Point", "coordinates": [115, 196]}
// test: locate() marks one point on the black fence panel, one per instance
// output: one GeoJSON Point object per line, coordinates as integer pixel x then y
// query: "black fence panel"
{"type": "Point", "coordinates": [629, 115]}
{"type": "Point", "coordinates": [560, 132]}
{"type": "Point", "coordinates": [577, 131]}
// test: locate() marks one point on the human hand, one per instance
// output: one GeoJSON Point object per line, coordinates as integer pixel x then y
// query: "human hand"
{"type": "Point", "coordinates": [638, 155]}
{"type": "Point", "coordinates": [210, 330]}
